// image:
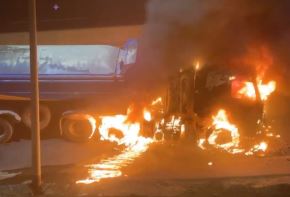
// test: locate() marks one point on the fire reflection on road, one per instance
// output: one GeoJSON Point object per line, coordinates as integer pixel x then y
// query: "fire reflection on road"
{"type": "Point", "coordinates": [112, 167]}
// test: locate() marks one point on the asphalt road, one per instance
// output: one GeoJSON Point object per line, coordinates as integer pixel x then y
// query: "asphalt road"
{"type": "Point", "coordinates": [161, 169]}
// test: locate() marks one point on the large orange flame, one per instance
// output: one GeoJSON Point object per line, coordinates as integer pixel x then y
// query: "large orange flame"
{"type": "Point", "coordinates": [259, 59]}
{"type": "Point", "coordinates": [130, 131]}
{"type": "Point", "coordinates": [265, 90]}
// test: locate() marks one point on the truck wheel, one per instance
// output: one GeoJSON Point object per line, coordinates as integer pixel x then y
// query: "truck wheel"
{"type": "Point", "coordinates": [44, 113]}
{"type": "Point", "coordinates": [77, 130]}
{"type": "Point", "coordinates": [6, 131]}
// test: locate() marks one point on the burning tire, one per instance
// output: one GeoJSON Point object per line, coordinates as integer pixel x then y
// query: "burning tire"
{"type": "Point", "coordinates": [44, 113]}
{"type": "Point", "coordinates": [6, 131]}
{"type": "Point", "coordinates": [77, 130]}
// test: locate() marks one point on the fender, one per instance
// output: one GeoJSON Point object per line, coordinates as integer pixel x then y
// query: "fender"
{"type": "Point", "coordinates": [11, 114]}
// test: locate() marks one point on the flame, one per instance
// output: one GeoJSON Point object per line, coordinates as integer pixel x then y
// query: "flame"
{"type": "Point", "coordinates": [174, 123]}
{"type": "Point", "coordinates": [147, 115]}
{"type": "Point", "coordinates": [260, 59]}
{"type": "Point", "coordinates": [221, 124]}
{"type": "Point", "coordinates": [231, 78]}
{"type": "Point", "coordinates": [122, 130]}
{"type": "Point", "coordinates": [262, 147]}
{"type": "Point", "coordinates": [265, 90]}
{"type": "Point", "coordinates": [111, 167]}
{"type": "Point", "coordinates": [157, 101]}
{"type": "Point", "coordinates": [201, 143]}
{"type": "Point", "coordinates": [93, 123]}
{"type": "Point", "coordinates": [130, 131]}
{"type": "Point", "coordinates": [197, 65]}
{"type": "Point", "coordinates": [130, 137]}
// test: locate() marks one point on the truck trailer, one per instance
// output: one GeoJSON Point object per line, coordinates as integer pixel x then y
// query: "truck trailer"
{"type": "Point", "coordinates": [73, 79]}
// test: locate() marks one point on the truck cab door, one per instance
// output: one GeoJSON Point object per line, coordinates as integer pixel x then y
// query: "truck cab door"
{"type": "Point", "coordinates": [127, 56]}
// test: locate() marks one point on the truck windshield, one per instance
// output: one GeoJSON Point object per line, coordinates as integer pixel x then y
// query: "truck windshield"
{"type": "Point", "coordinates": [61, 59]}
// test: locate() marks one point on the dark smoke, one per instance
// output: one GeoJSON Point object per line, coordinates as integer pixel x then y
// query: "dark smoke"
{"type": "Point", "coordinates": [218, 32]}
{"type": "Point", "coordinates": [215, 31]}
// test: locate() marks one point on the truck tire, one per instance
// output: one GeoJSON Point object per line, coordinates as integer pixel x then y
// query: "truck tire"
{"type": "Point", "coordinates": [6, 131]}
{"type": "Point", "coordinates": [77, 130]}
{"type": "Point", "coordinates": [44, 113]}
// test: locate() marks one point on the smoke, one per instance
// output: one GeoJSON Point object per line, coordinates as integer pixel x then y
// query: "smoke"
{"type": "Point", "coordinates": [217, 32]}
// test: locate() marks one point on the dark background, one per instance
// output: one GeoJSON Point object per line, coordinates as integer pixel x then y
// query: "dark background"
{"type": "Point", "coordinates": [72, 14]}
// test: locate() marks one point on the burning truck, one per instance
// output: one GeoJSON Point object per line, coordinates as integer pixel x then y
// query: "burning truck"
{"type": "Point", "coordinates": [201, 92]}
{"type": "Point", "coordinates": [199, 108]}
{"type": "Point", "coordinates": [216, 105]}
{"type": "Point", "coordinates": [210, 105]}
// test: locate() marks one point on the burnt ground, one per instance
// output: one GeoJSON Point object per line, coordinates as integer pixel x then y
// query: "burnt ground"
{"type": "Point", "coordinates": [170, 169]}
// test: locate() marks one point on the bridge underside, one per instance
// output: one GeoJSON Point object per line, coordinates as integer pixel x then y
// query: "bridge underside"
{"type": "Point", "coordinates": [115, 36]}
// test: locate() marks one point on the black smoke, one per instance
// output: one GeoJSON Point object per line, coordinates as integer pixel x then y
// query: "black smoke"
{"type": "Point", "coordinates": [178, 32]}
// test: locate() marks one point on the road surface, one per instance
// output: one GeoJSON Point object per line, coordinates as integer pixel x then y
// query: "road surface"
{"type": "Point", "coordinates": [161, 169]}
